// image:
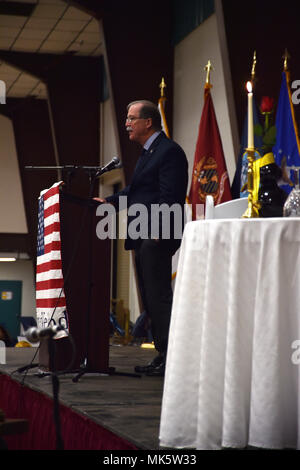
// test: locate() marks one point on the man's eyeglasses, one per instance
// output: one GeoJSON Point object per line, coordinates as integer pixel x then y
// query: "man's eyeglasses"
{"type": "Point", "coordinates": [132, 118]}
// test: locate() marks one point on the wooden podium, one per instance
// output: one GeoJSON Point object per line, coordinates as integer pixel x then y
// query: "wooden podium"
{"type": "Point", "coordinates": [86, 264]}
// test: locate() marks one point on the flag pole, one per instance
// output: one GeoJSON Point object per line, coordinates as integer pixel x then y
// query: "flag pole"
{"type": "Point", "coordinates": [286, 70]}
{"type": "Point", "coordinates": [162, 87]}
{"type": "Point", "coordinates": [286, 57]}
{"type": "Point", "coordinates": [253, 70]}
{"type": "Point", "coordinates": [208, 68]}
{"type": "Point", "coordinates": [161, 106]}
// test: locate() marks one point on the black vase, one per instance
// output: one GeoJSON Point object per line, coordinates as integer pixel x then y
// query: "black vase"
{"type": "Point", "coordinates": [270, 195]}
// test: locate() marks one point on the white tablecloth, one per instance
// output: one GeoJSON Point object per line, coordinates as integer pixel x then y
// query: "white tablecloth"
{"type": "Point", "coordinates": [232, 376]}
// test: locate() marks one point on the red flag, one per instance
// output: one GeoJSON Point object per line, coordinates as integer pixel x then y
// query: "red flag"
{"type": "Point", "coordinates": [209, 175]}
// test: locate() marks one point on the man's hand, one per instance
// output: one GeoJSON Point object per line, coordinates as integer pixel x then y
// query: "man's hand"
{"type": "Point", "coordinates": [99, 199]}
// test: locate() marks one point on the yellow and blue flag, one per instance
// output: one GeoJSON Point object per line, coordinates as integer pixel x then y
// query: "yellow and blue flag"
{"type": "Point", "coordinates": [287, 148]}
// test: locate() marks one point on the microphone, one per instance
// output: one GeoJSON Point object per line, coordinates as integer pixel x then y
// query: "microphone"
{"type": "Point", "coordinates": [33, 334]}
{"type": "Point", "coordinates": [114, 163]}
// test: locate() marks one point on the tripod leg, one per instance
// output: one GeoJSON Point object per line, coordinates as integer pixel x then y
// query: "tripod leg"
{"type": "Point", "coordinates": [77, 377]}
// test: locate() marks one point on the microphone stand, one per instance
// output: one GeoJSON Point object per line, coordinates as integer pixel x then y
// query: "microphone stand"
{"type": "Point", "coordinates": [92, 171]}
{"type": "Point", "coordinates": [84, 367]}
{"type": "Point", "coordinates": [55, 388]}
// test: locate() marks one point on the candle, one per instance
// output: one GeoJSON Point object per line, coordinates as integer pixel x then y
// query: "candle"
{"type": "Point", "coordinates": [250, 117]}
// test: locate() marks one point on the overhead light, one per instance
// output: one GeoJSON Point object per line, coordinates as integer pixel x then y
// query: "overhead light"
{"type": "Point", "coordinates": [9, 256]}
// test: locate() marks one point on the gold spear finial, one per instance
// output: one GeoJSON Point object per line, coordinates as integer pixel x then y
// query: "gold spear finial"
{"type": "Point", "coordinates": [208, 68]}
{"type": "Point", "coordinates": [286, 57]}
{"type": "Point", "coordinates": [162, 87]}
{"type": "Point", "coordinates": [253, 68]}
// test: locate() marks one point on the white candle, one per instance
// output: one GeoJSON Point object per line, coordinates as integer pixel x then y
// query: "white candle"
{"type": "Point", "coordinates": [250, 117]}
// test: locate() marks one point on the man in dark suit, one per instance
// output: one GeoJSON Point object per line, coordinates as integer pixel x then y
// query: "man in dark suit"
{"type": "Point", "coordinates": [159, 182]}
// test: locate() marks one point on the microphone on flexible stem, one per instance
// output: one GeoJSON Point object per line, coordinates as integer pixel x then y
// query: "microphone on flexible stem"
{"type": "Point", "coordinates": [34, 335]}
{"type": "Point", "coordinates": [113, 164]}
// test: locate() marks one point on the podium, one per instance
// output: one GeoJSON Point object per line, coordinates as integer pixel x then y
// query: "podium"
{"type": "Point", "coordinates": [86, 262]}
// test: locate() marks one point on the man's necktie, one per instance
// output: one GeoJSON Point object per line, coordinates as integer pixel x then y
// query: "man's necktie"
{"type": "Point", "coordinates": [142, 160]}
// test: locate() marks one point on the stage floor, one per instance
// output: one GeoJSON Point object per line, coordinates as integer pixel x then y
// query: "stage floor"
{"type": "Point", "coordinates": [128, 406]}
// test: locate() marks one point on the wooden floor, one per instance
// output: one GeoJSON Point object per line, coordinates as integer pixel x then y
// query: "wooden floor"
{"type": "Point", "coordinates": [128, 406]}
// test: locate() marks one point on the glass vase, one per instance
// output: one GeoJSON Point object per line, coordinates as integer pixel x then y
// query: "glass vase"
{"type": "Point", "coordinates": [291, 207]}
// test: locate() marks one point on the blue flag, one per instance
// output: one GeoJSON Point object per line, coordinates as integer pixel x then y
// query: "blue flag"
{"type": "Point", "coordinates": [286, 148]}
{"type": "Point", "coordinates": [241, 173]}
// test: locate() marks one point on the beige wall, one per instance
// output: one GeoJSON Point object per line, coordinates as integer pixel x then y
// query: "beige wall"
{"type": "Point", "coordinates": [109, 144]}
{"type": "Point", "coordinates": [12, 218]}
{"type": "Point", "coordinates": [109, 148]}
{"type": "Point", "coordinates": [191, 57]}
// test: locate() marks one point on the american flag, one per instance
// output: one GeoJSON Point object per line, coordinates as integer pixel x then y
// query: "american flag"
{"type": "Point", "coordinates": [50, 297]}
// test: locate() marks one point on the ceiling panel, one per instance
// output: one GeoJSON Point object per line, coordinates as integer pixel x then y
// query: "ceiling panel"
{"type": "Point", "coordinates": [12, 21]}
{"type": "Point", "coordinates": [70, 25]}
{"type": "Point", "coordinates": [55, 47]}
{"type": "Point", "coordinates": [53, 27]}
{"type": "Point", "coordinates": [64, 36]}
{"type": "Point", "coordinates": [50, 10]}
{"type": "Point", "coordinates": [75, 14]}
{"type": "Point", "coordinates": [20, 43]}
{"type": "Point", "coordinates": [29, 33]}
{"type": "Point", "coordinates": [41, 23]}
{"type": "Point", "coordinates": [6, 43]}
{"type": "Point", "coordinates": [92, 27]}
{"type": "Point", "coordinates": [10, 32]}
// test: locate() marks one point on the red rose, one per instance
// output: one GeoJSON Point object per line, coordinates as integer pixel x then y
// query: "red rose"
{"type": "Point", "coordinates": [267, 104]}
